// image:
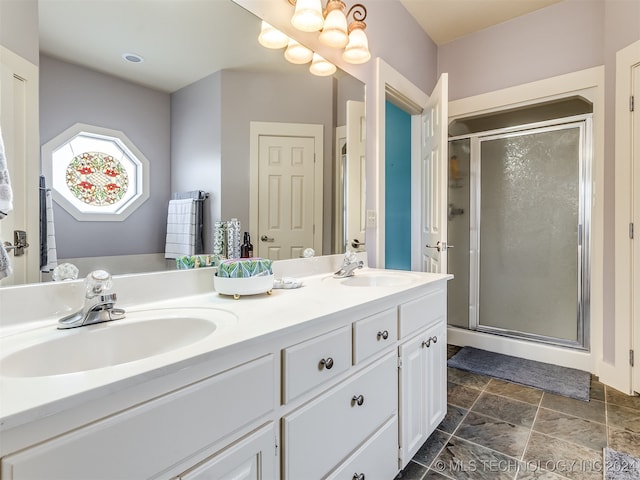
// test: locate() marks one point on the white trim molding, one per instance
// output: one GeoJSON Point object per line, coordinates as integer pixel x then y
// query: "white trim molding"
{"type": "Point", "coordinates": [616, 368]}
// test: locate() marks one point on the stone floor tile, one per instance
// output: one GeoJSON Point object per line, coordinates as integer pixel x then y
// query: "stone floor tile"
{"type": "Point", "coordinates": [573, 429]}
{"type": "Point", "coordinates": [564, 458]}
{"type": "Point", "coordinates": [460, 395]}
{"type": "Point", "coordinates": [512, 411]}
{"type": "Point", "coordinates": [624, 441]}
{"type": "Point", "coordinates": [592, 410]}
{"type": "Point", "coordinates": [462, 460]}
{"type": "Point", "coordinates": [452, 419]}
{"type": "Point", "coordinates": [493, 433]}
{"type": "Point", "coordinates": [515, 391]}
{"type": "Point", "coordinates": [467, 379]}
{"type": "Point", "coordinates": [623, 417]}
{"type": "Point", "coordinates": [413, 471]}
{"type": "Point", "coordinates": [431, 448]}
{"type": "Point", "coordinates": [618, 398]}
{"type": "Point", "coordinates": [596, 390]}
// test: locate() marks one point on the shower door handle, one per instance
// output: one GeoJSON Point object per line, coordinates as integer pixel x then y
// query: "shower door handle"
{"type": "Point", "coordinates": [440, 246]}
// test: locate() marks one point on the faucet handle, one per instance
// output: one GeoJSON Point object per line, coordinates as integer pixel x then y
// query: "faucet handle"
{"type": "Point", "coordinates": [97, 282]}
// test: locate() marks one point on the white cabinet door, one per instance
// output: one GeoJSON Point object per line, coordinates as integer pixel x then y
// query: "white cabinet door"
{"type": "Point", "coordinates": [252, 458]}
{"type": "Point", "coordinates": [423, 388]}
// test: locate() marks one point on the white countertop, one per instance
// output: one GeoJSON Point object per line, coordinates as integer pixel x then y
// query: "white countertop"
{"type": "Point", "coordinates": [26, 399]}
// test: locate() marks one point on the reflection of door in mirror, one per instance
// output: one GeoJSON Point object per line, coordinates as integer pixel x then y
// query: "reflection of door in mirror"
{"type": "Point", "coordinates": [18, 117]}
{"type": "Point", "coordinates": [289, 188]}
{"type": "Point", "coordinates": [354, 178]}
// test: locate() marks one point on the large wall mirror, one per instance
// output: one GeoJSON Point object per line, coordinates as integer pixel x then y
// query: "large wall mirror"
{"type": "Point", "coordinates": [188, 106]}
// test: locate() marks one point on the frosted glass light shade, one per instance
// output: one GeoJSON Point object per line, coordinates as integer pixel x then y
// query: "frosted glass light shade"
{"type": "Point", "coordinates": [271, 37]}
{"type": "Point", "coordinates": [307, 16]}
{"type": "Point", "coordinates": [321, 67]}
{"type": "Point", "coordinates": [357, 50]}
{"type": "Point", "coordinates": [334, 32]}
{"type": "Point", "coordinates": [296, 53]}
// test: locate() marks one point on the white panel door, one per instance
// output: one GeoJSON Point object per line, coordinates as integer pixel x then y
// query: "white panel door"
{"type": "Point", "coordinates": [19, 122]}
{"type": "Point", "coordinates": [355, 175]}
{"type": "Point", "coordinates": [434, 180]}
{"type": "Point", "coordinates": [288, 196]}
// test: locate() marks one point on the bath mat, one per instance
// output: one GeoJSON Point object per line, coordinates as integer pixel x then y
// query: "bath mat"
{"type": "Point", "coordinates": [550, 378]}
{"type": "Point", "coordinates": [620, 466]}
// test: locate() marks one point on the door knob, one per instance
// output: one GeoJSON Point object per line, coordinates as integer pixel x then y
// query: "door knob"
{"type": "Point", "coordinates": [439, 246]}
{"type": "Point", "coordinates": [264, 238]}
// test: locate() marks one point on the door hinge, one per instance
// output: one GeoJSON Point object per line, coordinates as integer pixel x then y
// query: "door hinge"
{"type": "Point", "coordinates": [399, 362]}
{"type": "Point", "coordinates": [400, 453]}
{"type": "Point", "coordinates": [631, 360]}
{"type": "Point", "coordinates": [631, 230]}
{"type": "Point", "coordinates": [276, 446]}
{"type": "Point", "coordinates": [632, 103]}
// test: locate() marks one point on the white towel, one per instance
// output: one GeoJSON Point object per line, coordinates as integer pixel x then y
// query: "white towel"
{"type": "Point", "coordinates": [181, 228]}
{"type": "Point", "coordinates": [6, 194]}
{"type": "Point", "coordinates": [52, 253]}
{"type": "Point", "coordinates": [5, 264]}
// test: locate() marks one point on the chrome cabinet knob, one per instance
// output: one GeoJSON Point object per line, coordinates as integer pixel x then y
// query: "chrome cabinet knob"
{"type": "Point", "coordinates": [326, 363]}
{"type": "Point", "coordinates": [434, 339]}
{"type": "Point", "coordinates": [357, 400]}
{"type": "Point", "coordinates": [383, 335]}
{"type": "Point", "coordinates": [426, 343]}
{"type": "Point", "coordinates": [358, 476]}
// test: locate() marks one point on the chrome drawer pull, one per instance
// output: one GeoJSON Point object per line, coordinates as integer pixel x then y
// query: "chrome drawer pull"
{"type": "Point", "coordinates": [326, 363]}
{"type": "Point", "coordinates": [384, 335]}
{"type": "Point", "coordinates": [357, 476]}
{"type": "Point", "coordinates": [357, 400]}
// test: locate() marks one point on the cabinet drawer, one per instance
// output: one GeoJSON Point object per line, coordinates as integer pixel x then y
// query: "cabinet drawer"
{"type": "Point", "coordinates": [377, 459]}
{"type": "Point", "coordinates": [328, 429]}
{"type": "Point", "coordinates": [422, 312]}
{"type": "Point", "coordinates": [154, 436]}
{"type": "Point", "coordinates": [311, 363]}
{"type": "Point", "coordinates": [373, 334]}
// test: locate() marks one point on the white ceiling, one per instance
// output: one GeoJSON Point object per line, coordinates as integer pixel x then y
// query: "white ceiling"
{"type": "Point", "coordinates": [447, 20]}
{"type": "Point", "coordinates": [185, 40]}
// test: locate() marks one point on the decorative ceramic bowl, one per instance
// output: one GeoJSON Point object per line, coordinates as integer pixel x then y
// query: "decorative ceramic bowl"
{"type": "Point", "coordinates": [243, 286]}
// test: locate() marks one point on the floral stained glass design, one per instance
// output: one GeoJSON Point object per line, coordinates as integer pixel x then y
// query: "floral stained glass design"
{"type": "Point", "coordinates": [97, 178]}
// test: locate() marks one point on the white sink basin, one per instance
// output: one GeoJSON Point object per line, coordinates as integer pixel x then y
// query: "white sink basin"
{"type": "Point", "coordinates": [140, 335]}
{"type": "Point", "coordinates": [376, 279]}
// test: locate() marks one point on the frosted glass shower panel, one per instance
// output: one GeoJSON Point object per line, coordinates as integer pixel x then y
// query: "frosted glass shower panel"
{"type": "Point", "coordinates": [529, 216]}
{"type": "Point", "coordinates": [458, 228]}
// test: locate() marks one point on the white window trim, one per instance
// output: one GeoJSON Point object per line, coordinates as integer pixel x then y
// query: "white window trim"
{"type": "Point", "coordinates": [142, 183]}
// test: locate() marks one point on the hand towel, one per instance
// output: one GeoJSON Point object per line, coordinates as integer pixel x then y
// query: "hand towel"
{"type": "Point", "coordinates": [181, 227]}
{"type": "Point", "coordinates": [5, 263]}
{"type": "Point", "coordinates": [6, 194]}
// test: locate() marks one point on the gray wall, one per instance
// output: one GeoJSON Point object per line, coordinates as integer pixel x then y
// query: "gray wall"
{"type": "Point", "coordinates": [210, 134]}
{"type": "Point", "coordinates": [19, 28]}
{"type": "Point", "coordinates": [566, 37]}
{"type": "Point", "coordinates": [70, 94]}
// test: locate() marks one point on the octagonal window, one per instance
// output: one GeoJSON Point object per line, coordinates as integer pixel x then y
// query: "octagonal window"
{"type": "Point", "coordinates": [96, 174]}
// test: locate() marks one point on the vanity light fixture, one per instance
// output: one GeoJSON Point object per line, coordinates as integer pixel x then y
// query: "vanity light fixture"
{"type": "Point", "coordinates": [271, 37]}
{"type": "Point", "coordinates": [321, 67]}
{"type": "Point", "coordinates": [296, 53]}
{"type": "Point", "coordinates": [336, 30]}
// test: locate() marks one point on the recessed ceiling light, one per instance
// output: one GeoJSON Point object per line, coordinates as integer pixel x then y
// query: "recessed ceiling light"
{"type": "Point", "coordinates": [132, 58]}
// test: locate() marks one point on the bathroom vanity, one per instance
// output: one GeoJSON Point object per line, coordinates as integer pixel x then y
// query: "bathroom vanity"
{"type": "Point", "coordinates": [341, 378]}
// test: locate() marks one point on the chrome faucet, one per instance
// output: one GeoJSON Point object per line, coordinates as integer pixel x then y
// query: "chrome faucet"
{"type": "Point", "coordinates": [98, 303]}
{"type": "Point", "coordinates": [349, 265]}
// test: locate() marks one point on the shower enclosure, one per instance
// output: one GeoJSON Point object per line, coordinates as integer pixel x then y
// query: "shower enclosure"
{"type": "Point", "coordinates": [519, 200]}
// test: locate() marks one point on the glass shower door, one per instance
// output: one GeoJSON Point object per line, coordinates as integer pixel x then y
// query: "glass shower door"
{"type": "Point", "coordinates": [530, 219]}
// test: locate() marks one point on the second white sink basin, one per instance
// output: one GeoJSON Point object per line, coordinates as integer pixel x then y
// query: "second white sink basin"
{"type": "Point", "coordinates": [140, 335]}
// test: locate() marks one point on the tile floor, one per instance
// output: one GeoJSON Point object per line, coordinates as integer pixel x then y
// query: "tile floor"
{"type": "Point", "coordinates": [500, 430]}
